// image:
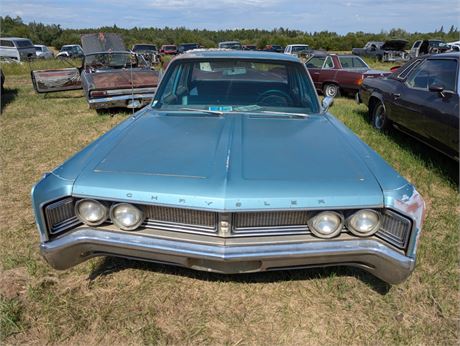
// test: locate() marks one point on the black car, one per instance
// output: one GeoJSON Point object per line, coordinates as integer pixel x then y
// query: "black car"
{"type": "Point", "coordinates": [420, 99]}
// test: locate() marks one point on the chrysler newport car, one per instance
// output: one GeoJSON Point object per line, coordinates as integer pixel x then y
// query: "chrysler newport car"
{"type": "Point", "coordinates": [235, 167]}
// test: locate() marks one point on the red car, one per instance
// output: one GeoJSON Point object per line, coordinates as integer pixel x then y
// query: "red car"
{"type": "Point", "coordinates": [333, 74]}
{"type": "Point", "coordinates": [169, 49]}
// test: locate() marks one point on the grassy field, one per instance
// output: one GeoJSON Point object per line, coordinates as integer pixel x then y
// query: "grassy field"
{"type": "Point", "coordinates": [117, 301]}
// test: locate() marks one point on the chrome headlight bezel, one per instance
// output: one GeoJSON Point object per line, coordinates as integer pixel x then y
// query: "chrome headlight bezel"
{"type": "Point", "coordinates": [104, 209]}
{"type": "Point", "coordinates": [120, 225]}
{"type": "Point", "coordinates": [372, 231]}
{"type": "Point", "coordinates": [319, 234]}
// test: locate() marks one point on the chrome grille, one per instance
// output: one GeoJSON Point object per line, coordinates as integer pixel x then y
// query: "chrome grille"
{"type": "Point", "coordinates": [279, 222]}
{"type": "Point", "coordinates": [395, 229]}
{"type": "Point", "coordinates": [182, 220]}
{"type": "Point", "coordinates": [60, 215]}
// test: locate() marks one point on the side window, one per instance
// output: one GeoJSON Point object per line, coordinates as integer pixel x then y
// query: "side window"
{"type": "Point", "coordinates": [6, 43]}
{"type": "Point", "coordinates": [315, 62]}
{"type": "Point", "coordinates": [328, 63]}
{"type": "Point", "coordinates": [436, 71]}
{"type": "Point", "coordinates": [417, 43]}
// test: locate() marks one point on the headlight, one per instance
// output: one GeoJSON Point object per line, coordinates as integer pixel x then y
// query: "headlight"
{"type": "Point", "coordinates": [326, 224]}
{"type": "Point", "coordinates": [91, 212]}
{"type": "Point", "coordinates": [364, 222]}
{"type": "Point", "coordinates": [126, 216]}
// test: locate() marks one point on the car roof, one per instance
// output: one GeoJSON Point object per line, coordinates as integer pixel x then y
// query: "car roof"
{"type": "Point", "coordinates": [235, 54]}
{"type": "Point", "coordinates": [39, 45]}
{"type": "Point", "coordinates": [446, 55]}
{"type": "Point", "coordinates": [298, 44]}
{"type": "Point", "coordinates": [15, 38]}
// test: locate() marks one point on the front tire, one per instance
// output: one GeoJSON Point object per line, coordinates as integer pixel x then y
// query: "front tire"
{"type": "Point", "coordinates": [380, 119]}
{"type": "Point", "coordinates": [331, 90]}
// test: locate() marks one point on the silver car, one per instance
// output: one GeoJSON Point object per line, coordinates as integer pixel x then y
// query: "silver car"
{"type": "Point", "coordinates": [43, 52]}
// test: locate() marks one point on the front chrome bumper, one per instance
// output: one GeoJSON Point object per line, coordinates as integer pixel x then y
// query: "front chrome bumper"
{"type": "Point", "coordinates": [371, 255]}
{"type": "Point", "coordinates": [140, 100]}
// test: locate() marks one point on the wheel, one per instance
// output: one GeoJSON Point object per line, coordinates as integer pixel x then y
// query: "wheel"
{"type": "Point", "coordinates": [331, 90]}
{"type": "Point", "coordinates": [379, 117]}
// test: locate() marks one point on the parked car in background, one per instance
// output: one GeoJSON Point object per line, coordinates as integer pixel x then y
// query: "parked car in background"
{"type": "Point", "coordinates": [43, 52]}
{"type": "Point", "coordinates": [234, 168]}
{"type": "Point", "coordinates": [454, 46]}
{"type": "Point", "coordinates": [148, 51]}
{"type": "Point", "coordinates": [297, 49]}
{"type": "Point", "coordinates": [422, 47]}
{"type": "Point", "coordinates": [334, 74]}
{"type": "Point", "coordinates": [168, 49]}
{"type": "Point", "coordinates": [388, 51]}
{"type": "Point", "coordinates": [420, 99]}
{"type": "Point", "coordinates": [230, 45]}
{"type": "Point", "coordinates": [183, 47]}
{"type": "Point", "coordinates": [249, 47]}
{"type": "Point", "coordinates": [273, 48]}
{"type": "Point", "coordinates": [71, 51]}
{"type": "Point", "coordinates": [110, 76]}
{"type": "Point", "coordinates": [16, 49]}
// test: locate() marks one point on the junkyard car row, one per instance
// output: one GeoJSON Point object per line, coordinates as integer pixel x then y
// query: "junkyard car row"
{"type": "Point", "coordinates": [233, 165]}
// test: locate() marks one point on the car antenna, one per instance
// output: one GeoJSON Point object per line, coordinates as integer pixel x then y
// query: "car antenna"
{"type": "Point", "coordinates": [132, 85]}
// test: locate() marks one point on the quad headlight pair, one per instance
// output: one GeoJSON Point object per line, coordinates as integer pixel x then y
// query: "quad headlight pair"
{"type": "Point", "coordinates": [124, 215]}
{"type": "Point", "coordinates": [329, 224]}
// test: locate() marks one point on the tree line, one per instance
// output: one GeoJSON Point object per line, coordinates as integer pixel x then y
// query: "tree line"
{"type": "Point", "coordinates": [56, 36]}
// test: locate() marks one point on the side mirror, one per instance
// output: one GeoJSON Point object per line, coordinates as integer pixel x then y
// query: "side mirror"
{"type": "Point", "coordinates": [436, 88]}
{"type": "Point", "coordinates": [327, 103]}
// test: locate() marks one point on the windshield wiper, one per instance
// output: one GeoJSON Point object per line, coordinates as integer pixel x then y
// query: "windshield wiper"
{"type": "Point", "coordinates": [219, 113]}
{"type": "Point", "coordinates": [300, 115]}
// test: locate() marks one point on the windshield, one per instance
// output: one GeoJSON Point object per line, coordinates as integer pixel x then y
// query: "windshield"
{"type": "Point", "coordinates": [114, 60]}
{"type": "Point", "coordinates": [237, 85]}
{"type": "Point", "coordinates": [144, 47]}
{"type": "Point", "coordinates": [230, 45]}
{"type": "Point", "coordinates": [38, 49]}
{"type": "Point", "coordinates": [71, 49]}
{"type": "Point", "coordinates": [299, 48]}
{"type": "Point", "coordinates": [169, 48]}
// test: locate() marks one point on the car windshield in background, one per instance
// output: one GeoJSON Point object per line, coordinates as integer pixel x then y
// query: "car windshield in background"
{"type": "Point", "coordinates": [71, 49]}
{"type": "Point", "coordinates": [38, 49]}
{"type": "Point", "coordinates": [230, 46]}
{"type": "Point", "coordinates": [299, 48]}
{"type": "Point", "coordinates": [237, 85]}
{"type": "Point", "coordinates": [114, 60]}
{"type": "Point", "coordinates": [351, 62]}
{"type": "Point", "coordinates": [170, 47]}
{"type": "Point", "coordinates": [144, 47]}
{"type": "Point", "coordinates": [24, 44]}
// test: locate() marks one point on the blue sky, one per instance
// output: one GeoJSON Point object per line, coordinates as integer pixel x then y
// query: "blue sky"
{"type": "Point", "coordinates": [332, 15]}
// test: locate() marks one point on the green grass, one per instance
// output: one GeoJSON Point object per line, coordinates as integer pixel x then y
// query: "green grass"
{"type": "Point", "coordinates": [116, 301]}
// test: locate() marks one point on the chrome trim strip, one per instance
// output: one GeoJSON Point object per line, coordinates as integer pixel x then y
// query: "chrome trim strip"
{"type": "Point", "coordinates": [84, 243]}
{"type": "Point", "coordinates": [94, 101]}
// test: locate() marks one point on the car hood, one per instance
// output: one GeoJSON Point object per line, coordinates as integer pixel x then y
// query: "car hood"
{"type": "Point", "coordinates": [120, 79]}
{"type": "Point", "coordinates": [394, 45]}
{"type": "Point", "coordinates": [232, 162]}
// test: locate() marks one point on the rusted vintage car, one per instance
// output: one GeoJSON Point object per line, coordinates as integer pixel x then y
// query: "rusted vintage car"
{"type": "Point", "coordinates": [110, 76]}
{"type": "Point", "coordinates": [388, 51]}
{"type": "Point", "coordinates": [333, 74]}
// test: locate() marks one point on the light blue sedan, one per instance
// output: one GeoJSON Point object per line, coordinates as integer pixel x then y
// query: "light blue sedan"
{"type": "Point", "coordinates": [235, 167]}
